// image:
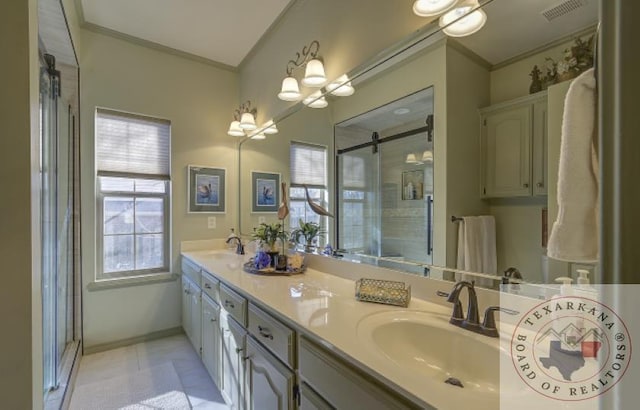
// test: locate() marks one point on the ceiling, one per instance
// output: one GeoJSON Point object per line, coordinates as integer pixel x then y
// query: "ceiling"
{"type": "Point", "coordinates": [226, 30]}
{"type": "Point", "coordinates": [220, 30]}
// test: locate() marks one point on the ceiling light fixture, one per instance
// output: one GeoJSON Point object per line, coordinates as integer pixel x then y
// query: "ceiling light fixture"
{"type": "Point", "coordinates": [314, 74]}
{"type": "Point", "coordinates": [341, 87]}
{"type": "Point", "coordinates": [235, 130]}
{"type": "Point", "coordinates": [290, 90]}
{"type": "Point", "coordinates": [427, 8]}
{"type": "Point", "coordinates": [248, 122]}
{"type": "Point", "coordinates": [315, 100]}
{"type": "Point", "coordinates": [465, 19]}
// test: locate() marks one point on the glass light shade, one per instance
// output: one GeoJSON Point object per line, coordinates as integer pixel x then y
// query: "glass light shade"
{"type": "Point", "coordinates": [426, 8]}
{"type": "Point", "coordinates": [341, 87]}
{"type": "Point", "coordinates": [258, 136]}
{"type": "Point", "coordinates": [411, 159]}
{"type": "Point", "coordinates": [270, 128]}
{"type": "Point", "coordinates": [315, 100]}
{"type": "Point", "coordinates": [235, 130]}
{"type": "Point", "coordinates": [467, 25]}
{"type": "Point", "coordinates": [427, 156]}
{"type": "Point", "coordinates": [314, 74]}
{"type": "Point", "coordinates": [247, 122]}
{"type": "Point", "coordinates": [290, 90]}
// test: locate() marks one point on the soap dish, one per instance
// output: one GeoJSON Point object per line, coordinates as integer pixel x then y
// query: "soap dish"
{"type": "Point", "coordinates": [383, 291]}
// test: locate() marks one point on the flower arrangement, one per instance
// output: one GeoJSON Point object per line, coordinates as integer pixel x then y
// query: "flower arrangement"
{"type": "Point", "coordinates": [268, 234]}
{"type": "Point", "coordinates": [575, 60]}
{"type": "Point", "coordinates": [306, 234]}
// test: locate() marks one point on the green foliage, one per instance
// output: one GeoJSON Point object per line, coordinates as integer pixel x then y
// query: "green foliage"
{"type": "Point", "coordinates": [268, 234]}
{"type": "Point", "coordinates": [307, 231]}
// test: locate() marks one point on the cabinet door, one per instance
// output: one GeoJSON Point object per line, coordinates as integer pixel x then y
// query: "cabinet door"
{"type": "Point", "coordinates": [269, 384]}
{"type": "Point", "coordinates": [232, 375]}
{"type": "Point", "coordinates": [540, 171]}
{"type": "Point", "coordinates": [310, 400]}
{"type": "Point", "coordinates": [211, 338]}
{"type": "Point", "coordinates": [507, 152]}
{"type": "Point", "coordinates": [196, 319]}
{"type": "Point", "coordinates": [186, 306]}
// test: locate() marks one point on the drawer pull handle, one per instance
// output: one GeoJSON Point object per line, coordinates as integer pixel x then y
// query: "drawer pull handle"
{"type": "Point", "coordinates": [525, 185]}
{"type": "Point", "coordinates": [540, 184]}
{"type": "Point", "coordinates": [264, 332]}
{"type": "Point", "coordinates": [206, 285]}
{"type": "Point", "coordinates": [229, 304]}
{"type": "Point", "coordinates": [238, 350]}
{"type": "Point", "coordinates": [213, 319]}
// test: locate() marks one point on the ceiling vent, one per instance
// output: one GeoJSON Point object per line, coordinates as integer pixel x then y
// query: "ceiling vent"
{"type": "Point", "coordinates": [563, 8]}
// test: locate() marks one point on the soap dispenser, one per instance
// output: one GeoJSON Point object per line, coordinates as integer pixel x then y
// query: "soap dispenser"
{"type": "Point", "coordinates": [583, 276]}
{"type": "Point", "coordinates": [565, 286]}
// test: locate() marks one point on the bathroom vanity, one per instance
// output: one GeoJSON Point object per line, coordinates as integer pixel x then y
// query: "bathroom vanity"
{"type": "Point", "coordinates": [303, 341]}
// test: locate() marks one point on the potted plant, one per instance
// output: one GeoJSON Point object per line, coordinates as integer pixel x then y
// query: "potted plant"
{"type": "Point", "coordinates": [267, 235]}
{"type": "Point", "coordinates": [306, 234]}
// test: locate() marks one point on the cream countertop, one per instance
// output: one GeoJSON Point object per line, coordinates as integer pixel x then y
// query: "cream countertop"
{"type": "Point", "coordinates": [323, 305]}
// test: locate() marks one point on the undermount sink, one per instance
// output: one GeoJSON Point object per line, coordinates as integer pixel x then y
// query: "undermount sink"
{"type": "Point", "coordinates": [426, 345]}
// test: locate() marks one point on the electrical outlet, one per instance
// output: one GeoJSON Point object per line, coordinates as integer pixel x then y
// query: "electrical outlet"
{"type": "Point", "coordinates": [262, 219]}
{"type": "Point", "coordinates": [211, 222]}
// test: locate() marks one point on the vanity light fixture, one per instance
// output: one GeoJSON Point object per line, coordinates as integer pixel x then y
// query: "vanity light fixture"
{"type": "Point", "coordinates": [465, 19]}
{"type": "Point", "coordinates": [427, 156]}
{"type": "Point", "coordinates": [411, 159]}
{"type": "Point", "coordinates": [315, 100]}
{"type": "Point", "coordinates": [341, 87]}
{"type": "Point", "coordinates": [244, 120]}
{"type": "Point", "coordinates": [290, 90]}
{"type": "Point", "coordinates": [427, 8]}
{"type": "Point", "coordinates": [269, 128]}
{"type": "Point", "coordinates": [314, 74]}
{"type": "Point", "coordinates": [258, 136]}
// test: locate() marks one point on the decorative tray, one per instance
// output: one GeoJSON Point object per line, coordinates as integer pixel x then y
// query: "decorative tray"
{"type": "Point", "coordinates": [383, 291]}
{"type": "Point", "coordinates": [249, 267]}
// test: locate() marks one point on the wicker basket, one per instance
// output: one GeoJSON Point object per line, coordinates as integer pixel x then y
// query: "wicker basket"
{"type": "Point", "coordinates": [383, 291]}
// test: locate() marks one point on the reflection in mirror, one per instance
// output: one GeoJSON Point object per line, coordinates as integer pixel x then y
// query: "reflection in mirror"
{"type": "Point", "coordinates": [385, 182]}
{"type": "Point", "coordinates": [497, 99]}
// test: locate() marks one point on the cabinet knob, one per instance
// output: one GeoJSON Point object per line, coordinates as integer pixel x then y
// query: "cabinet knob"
{"type": "Point", "coordinates": [540, 185]}
{"type": "Point", "coordinates": [207, 286]}
{"type": "Point", "coordinates": [213, 319]}
{"type": "Point", "coordinates": [264, 332]}
{"type": "Point", "coordinates": [238, 349]}
{"type": "Point", "coordinates": [525, 185]}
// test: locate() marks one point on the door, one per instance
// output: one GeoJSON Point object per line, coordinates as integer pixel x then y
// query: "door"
{"type": "Point", "coordinates": [196, 318]}
{"type": "Point", "coordinates": [506, 144]}
{"type": "Point", "coordinates": [186, 306]}
{"type": "Point", "coordinates": [270, 385]}
{"type": "Point", "coordinates": [211, 353]}
{"type": "Point", "coordinates": [231, 372]}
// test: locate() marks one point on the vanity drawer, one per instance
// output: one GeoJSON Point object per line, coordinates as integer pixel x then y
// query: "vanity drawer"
{"type": "Point", "coordinates": [274, 335]}
{"type": "Point", "coordinates": [211, 286]}
{"type": "Point", "coordinates": [233, 303]}
{"type": "Point", "coordinates": [191, 270]}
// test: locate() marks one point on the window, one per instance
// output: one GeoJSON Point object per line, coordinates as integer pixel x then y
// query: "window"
{"type": "Point", "coordinates": [352, 211]}
{"type": "Point", "coordinates": [133, 185]}
{"type": "Point", "coordinates": [308, 167]}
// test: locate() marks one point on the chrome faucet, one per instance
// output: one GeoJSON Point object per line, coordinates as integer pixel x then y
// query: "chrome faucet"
{"type": "Point", "coordinates": [239, 245]}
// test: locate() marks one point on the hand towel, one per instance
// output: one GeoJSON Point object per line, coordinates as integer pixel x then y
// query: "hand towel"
{"type": "Point", "coordinates": [574, 235]}
{"type": "Point", "coordinates": [477, 244]}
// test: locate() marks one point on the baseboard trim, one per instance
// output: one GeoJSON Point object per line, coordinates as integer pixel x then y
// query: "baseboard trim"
{"type": "Point", "coordinates": [132, 340]}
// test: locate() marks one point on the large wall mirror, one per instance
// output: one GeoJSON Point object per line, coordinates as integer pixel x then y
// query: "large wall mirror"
{"type": "Point", "coordinates": [443, 130]}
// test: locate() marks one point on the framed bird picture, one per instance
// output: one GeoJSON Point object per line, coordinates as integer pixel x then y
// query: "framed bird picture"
{"type": "Point", "coordinates": [206, 188]}
{"type": "Point", "coordinates": [266, 194]}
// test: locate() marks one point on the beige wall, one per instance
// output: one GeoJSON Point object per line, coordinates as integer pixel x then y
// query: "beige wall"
{"type": "Point", "coordinates": [349, 32]}
{"type": "Point", "coordinates": [198, 99]}
{"type": "Point", "coordinates": [20, 294]}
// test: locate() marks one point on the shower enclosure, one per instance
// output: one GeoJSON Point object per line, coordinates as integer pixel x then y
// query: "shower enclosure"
{"type": "Point", "coordinates": [385, 184]}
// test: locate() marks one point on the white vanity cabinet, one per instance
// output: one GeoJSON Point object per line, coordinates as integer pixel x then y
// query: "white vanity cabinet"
{"type": "Point", "coordinates": [186, 306]}
{"type": "Point", "coordinates": [233, 337]}
{"type": "Point", "coordinates": [211, 339]}
{"type": "Point", "coordinates": [339, 385]}
{"type": "Point", "coordinates": [271, 385]}
{"type": "Point", "coordinates": [192, 312]}
{"type": "Point", "coordinates": [513, 145]}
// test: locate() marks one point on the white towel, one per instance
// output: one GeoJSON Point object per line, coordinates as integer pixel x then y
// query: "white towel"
{"type": "Point", "coordinates": [477, 244]}
{"type": "Point", "coordinates": [574, 235]}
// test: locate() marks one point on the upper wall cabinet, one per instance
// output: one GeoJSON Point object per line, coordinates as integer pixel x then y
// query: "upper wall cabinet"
{"type": "Point", "coordinates": [513, 141]}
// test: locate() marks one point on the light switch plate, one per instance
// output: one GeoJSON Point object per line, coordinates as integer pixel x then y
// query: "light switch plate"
{"type": "Point", "coordinates": [262, 219]}
{"type": "Point", "coordinates": [211, 222]}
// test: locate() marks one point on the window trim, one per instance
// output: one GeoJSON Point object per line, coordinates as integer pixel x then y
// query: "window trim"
{"type": "Point", "coordinates": [100, 275]}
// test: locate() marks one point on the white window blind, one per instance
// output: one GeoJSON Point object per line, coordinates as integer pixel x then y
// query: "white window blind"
{"type": "Point", "coordinates": [132, 145]}
{"type": "Point", "coordinates": [353, 171]}
{"type": "Point", "coordinates": [308, 165]}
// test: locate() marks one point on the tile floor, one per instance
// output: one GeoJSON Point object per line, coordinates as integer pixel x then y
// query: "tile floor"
{"type": "Point", "coordinates": [198, 386]}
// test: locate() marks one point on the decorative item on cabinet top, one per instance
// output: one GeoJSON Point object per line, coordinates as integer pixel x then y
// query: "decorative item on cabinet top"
{"type": "Point", "coordinates": [383, 291]}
